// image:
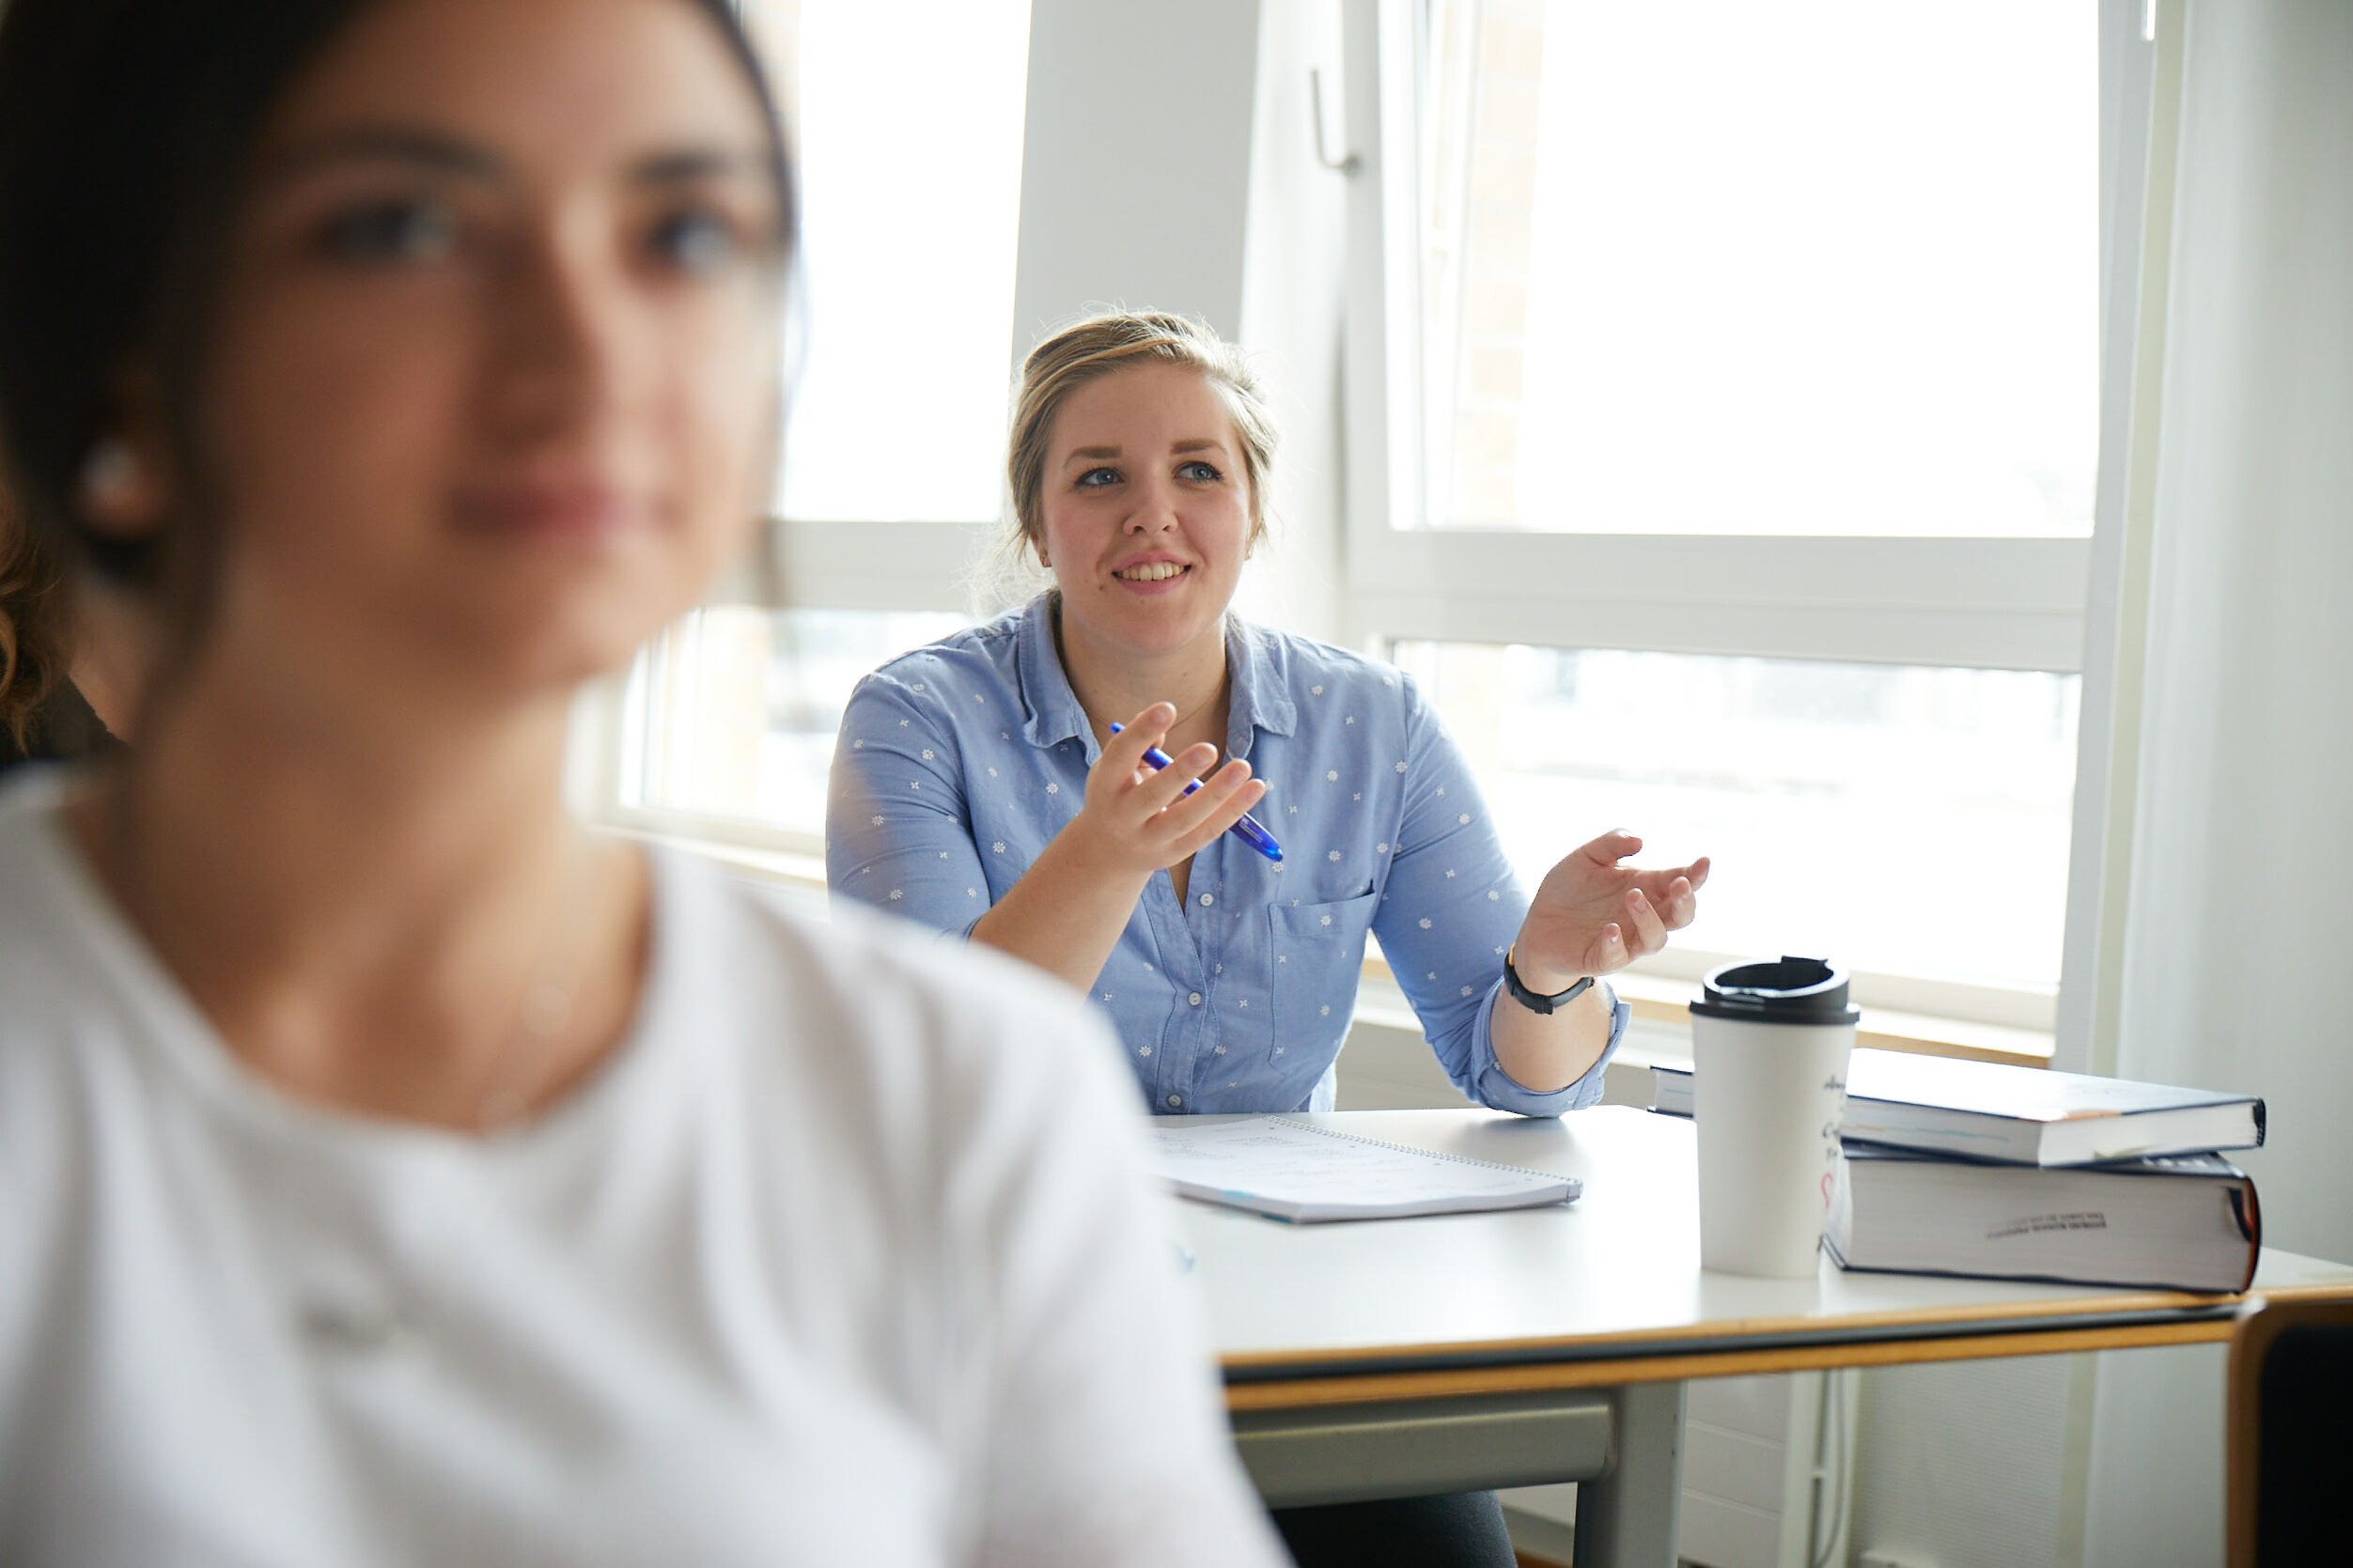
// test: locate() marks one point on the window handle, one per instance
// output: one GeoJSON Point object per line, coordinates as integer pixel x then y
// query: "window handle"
{"type": "Point", "coordinates": [1315, 106]}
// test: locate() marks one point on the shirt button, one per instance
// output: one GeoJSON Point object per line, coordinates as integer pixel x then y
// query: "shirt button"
{"type": "Point", "coordinates": [1193, 997]}
{"type": "Point", "coordinates": [1206, 900]}
{"type": "Point", "coordinates": [1144, 1050]}
{"type": "Point", "coordinates": [1176, 1099]}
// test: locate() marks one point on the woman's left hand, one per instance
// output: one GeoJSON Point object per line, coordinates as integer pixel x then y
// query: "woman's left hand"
{"type": "Point", "coordinates": [1592, 915]}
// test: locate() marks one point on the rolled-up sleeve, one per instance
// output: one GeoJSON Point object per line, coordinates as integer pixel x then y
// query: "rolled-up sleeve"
{"type": "Point", "coordinates": [898, 831]}
{"type": "Point", "coordinates": [1497, 1088]}
{"type": "Point", "coordinates": [1450, 907]}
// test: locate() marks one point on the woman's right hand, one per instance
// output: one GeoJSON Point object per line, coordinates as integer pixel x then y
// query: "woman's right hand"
{"type": "Point", "coordinates": [1138, 819]}
{"type": "Point", "coordinates": [1065, 913]}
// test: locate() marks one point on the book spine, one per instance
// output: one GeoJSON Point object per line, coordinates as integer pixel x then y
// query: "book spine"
{"type": "Point", "coordinates": [2250, 1216]}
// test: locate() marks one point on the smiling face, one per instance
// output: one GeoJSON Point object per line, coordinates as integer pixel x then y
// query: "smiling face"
{"type": "Point", "coordinates": [1147, 512]}
{"type": "Point", "coordinates": [493, 390]}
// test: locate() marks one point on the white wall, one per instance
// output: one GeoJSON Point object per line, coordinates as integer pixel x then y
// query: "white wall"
{"type": "Point", "coordinates": [2240, 919]}
{"type": "Point", "coordinates": [1168, 162]}
{"type": "Point", "coordinates": [1294, 308]}
{"type": "Point", "coordinates": [2127, 65]}
{"type": "Point", "coordinates": [1135, 160]}
{"type": "Point", "coordinates": [1963, 1464]}
{"type": "Point", "coordinates": [2239, 925]}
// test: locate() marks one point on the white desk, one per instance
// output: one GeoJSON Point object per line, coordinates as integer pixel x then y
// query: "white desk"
{"type": "Point", "coordinates": [1392, 1357]}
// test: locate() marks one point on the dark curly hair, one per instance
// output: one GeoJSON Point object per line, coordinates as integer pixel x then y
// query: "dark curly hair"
{"type": "Point", "coordinates": [32, 635]}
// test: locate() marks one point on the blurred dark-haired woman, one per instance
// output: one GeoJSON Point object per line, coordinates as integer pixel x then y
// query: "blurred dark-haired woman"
{"type": "Point", "coordinates": [390, 1170]}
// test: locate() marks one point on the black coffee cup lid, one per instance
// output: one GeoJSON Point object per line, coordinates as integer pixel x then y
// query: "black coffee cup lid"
{"type": "Point", "coordinates": [1787, 990]}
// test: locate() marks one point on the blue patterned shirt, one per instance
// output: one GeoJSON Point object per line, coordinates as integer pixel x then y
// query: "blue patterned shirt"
{"type": "Point", "coordinates": [958, 763]}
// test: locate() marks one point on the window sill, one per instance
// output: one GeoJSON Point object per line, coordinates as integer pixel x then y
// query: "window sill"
{"type": "Point", "coordinates": [1661, 1002]}
{"type": "Point", "coordinates": [1666, 1000]}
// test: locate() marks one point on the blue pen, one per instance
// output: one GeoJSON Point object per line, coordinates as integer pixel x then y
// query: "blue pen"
{"type": "Point", "coordinates": [1247, 829]}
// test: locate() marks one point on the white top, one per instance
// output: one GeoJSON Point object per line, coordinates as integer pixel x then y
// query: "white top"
{"type": "Point", "coordinates": [846, 1256]}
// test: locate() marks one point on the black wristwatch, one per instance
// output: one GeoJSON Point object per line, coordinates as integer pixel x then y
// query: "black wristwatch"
{"type": "Point", "coordinates": [1535, 1002]}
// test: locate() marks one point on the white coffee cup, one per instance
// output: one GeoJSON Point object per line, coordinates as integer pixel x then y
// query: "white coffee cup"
{"type": "Point", "coordinates": [1770, 1044]}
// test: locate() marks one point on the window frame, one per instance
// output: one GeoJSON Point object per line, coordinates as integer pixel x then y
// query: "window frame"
{"type": "Point", "coordinates": [2006, 603]}
{"type": "Point", "coordinates": [823, 565]}
{"type": "Point", "coordinates": [1995, 603]}
{"type": "Point", "coordinates": [1992, 603]}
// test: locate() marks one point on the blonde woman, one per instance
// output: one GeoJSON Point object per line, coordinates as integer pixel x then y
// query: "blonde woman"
{"type": "Point", "coordinates": [979, 788]}
{"type": "Point", "coordinates": [390, 1170]}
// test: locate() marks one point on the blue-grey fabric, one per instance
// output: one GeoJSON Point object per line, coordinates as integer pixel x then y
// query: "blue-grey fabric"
{"type": "Point", "coordinates": [958, 762]}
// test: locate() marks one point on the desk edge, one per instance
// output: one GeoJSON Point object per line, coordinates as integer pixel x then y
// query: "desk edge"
{"type": "Point", "coordinates": [1537, 1376]}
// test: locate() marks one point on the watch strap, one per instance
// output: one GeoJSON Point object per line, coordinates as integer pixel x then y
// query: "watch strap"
{"type": "Point", "coordinates": [1536, 1001]}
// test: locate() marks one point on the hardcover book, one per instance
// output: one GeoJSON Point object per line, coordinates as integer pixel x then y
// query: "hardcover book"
{"type": "Point", "coordinates": [2187, 1223]}
{"type": "Point", "coordinates": [2017, 1115]}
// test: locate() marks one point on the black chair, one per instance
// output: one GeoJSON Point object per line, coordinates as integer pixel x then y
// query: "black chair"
{"type": "Point", "coordinates": [2290, 1439]}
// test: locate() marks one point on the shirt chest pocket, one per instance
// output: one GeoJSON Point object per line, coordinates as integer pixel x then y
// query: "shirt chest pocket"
{"type": "Point", "coordinates": [1318, 958]}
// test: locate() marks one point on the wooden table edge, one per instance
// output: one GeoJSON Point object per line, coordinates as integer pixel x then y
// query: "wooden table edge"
{"type": "Point", "coordinates": [1530, 1377]}
{"type": "Point", "coordinates": [2217, 1319]}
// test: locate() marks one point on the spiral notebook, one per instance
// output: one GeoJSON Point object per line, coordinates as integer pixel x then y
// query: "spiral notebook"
{"type": "Point", "coordinates": [1304, 1173]}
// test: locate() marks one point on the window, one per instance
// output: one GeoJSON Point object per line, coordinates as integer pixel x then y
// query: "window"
{"type": "Point", "coordinates": [906, 121]}
{"type": "Point", "coordinates": [731, 713]}
{"type": "Point", "coordinates": [1722, 268]}
{"type": "Point", "coordinates": [907, 144]}
{"type": "Point", "coordinates": [1725, 386]}
{"type": "Point", "coordinates": [1825, 793]}
{"type": "Point", "coordinates": [1720, 387]}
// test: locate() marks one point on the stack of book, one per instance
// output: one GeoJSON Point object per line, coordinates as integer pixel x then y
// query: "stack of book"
{"type": "Point", "coordinates": [1957, 1167]}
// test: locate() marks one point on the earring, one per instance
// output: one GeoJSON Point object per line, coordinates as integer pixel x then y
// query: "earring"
{"type": "Point", "coordinates": [110, 475]}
